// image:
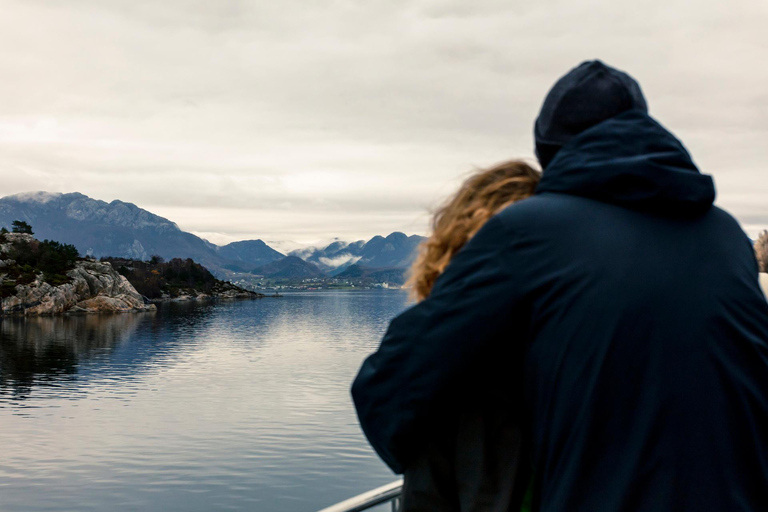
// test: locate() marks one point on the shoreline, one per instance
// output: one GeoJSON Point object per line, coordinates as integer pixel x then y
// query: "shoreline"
{"type": "Point", "coordinates": [204, 297]}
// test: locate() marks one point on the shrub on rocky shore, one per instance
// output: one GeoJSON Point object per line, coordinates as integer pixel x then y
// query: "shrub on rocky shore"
{"type": "Point", "coordinates": [22, 258]}
{"type": "Point", "coordinates": [158, 279]}
{"type": "Point", "coordinates": [45, 278]}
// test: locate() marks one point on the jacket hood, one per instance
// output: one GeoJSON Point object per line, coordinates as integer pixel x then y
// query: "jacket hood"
{"type": "Point", "coordinates": [632, 161]}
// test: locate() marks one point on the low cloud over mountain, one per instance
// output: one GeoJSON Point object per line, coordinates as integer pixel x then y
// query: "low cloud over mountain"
{"type": "Point", "coordinates": [396, 251]}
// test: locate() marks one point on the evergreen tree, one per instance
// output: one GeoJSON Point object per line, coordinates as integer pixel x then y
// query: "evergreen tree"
{"type": "Point", "coordinates": [19, 226]}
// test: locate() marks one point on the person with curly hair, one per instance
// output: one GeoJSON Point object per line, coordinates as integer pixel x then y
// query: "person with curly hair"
{"type": "Point", "coordinates": [479, 461]}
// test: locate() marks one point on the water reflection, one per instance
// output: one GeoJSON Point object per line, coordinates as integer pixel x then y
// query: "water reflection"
{"type": "Point", "coordinates": [45, 350]}
{"type": "Point", "coordinates": [200, 406]}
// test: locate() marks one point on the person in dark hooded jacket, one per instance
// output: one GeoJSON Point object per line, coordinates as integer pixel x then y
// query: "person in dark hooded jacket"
{"type": "Point", "coordinates": [617, 311]}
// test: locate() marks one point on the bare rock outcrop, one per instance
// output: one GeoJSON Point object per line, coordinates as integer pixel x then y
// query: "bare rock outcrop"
{"type": "Point", "coordinates": [94, 287]}
{"type": "Point", "coordinates": [7, 240]}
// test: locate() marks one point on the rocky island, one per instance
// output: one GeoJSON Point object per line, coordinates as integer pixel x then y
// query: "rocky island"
{"type": "Point", "coordinates": [46, 278]}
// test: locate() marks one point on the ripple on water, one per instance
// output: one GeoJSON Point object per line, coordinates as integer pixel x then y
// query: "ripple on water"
{"type": "Point", "coordinates": [238, 405]}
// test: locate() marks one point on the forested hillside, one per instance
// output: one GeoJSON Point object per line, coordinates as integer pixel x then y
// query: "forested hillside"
{"type": "Point", "coordinates": [178, 277]}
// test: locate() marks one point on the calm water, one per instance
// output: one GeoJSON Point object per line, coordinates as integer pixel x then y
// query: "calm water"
{"type": "Point", "coordinates": [217, 406]}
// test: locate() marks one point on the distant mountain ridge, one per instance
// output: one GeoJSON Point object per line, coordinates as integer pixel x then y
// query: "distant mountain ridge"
{"type": "Point", "coordinates": [121, 229]}
{"type": "Point", "coordinates": [379, 275]}
{"type": "Point", "coordinates": [397, 250]}
{"type": "Point", "coordinates": [246, 254]}
{"type": "Point", "coordinates": [98, 228]}
{"type": "Point", "coordinates": [290, 267]}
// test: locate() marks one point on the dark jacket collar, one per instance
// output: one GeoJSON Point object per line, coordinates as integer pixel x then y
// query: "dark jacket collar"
{"type": "Point", "coordinates": [630, 160]}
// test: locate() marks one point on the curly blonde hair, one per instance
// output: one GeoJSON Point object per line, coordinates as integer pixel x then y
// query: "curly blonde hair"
{"type": "Point", "coordinates": [482, 195]}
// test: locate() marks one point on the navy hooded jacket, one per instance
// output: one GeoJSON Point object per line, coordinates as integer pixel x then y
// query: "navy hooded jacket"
{"type": "Point", "coordinates": [618, 313]}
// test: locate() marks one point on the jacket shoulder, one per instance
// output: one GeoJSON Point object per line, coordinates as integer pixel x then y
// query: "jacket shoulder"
{"type": "Point", "coordinates": [728, 220]}
{"type": "Point", "coordinates": [539, 208]}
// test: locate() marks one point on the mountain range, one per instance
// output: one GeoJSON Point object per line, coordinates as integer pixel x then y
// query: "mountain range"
{"type": "Point", "coordinates": [290, 267]}
{"type": "Point", "coordinates": [121, 229]}
{"type": "Point", "coordinates": [394, 251]}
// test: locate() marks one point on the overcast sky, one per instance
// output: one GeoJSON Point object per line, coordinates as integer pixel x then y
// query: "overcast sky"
{"type": "Point", "coordinates": [309, 119]}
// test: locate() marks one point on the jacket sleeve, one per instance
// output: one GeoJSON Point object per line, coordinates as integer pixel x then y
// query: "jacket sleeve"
{"type": "Point", "coordinates": [436, 347]}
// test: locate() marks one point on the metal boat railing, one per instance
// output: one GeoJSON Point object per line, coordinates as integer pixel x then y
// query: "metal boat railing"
{"type": "Point", "coordinates": [389, 493]}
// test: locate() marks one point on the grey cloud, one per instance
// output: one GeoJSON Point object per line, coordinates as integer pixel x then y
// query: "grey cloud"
{"type": "Point", "coordinates": [373, 108]}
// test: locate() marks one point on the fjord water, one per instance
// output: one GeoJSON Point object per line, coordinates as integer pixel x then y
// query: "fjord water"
{"type": "Point", "coordinates": [200, 406]}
